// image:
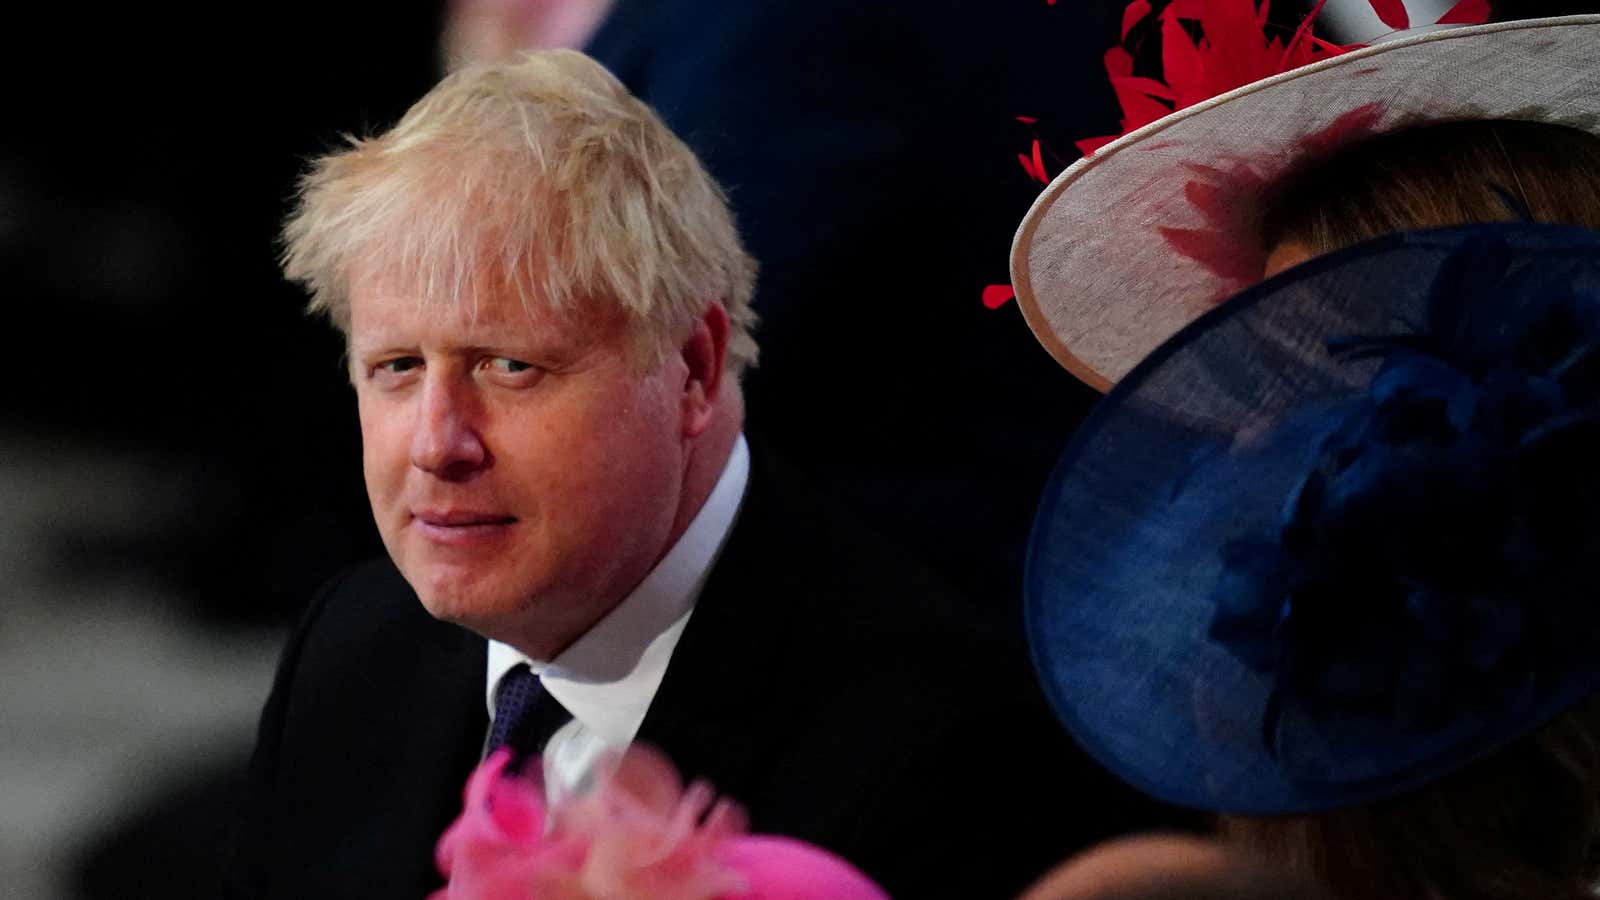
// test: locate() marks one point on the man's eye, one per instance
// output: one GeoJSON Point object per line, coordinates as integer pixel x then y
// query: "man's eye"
{"type": "Point", "coordinates": [397, 366]}
{"type": "Point", "coordinates": [501, 365]}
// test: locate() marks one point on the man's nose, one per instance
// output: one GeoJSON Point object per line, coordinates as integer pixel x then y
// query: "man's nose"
{"type": "Point", "coordinates": [446, 441]}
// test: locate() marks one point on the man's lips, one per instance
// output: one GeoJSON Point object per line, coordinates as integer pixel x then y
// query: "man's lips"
{"type": "Point", "coordinates": [459, 517]}
{"type": "Point", "coordinates": [455, 526]}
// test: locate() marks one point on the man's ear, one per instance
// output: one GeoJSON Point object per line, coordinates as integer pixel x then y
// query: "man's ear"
{"type": "Point", "coordinates": [705, 356]}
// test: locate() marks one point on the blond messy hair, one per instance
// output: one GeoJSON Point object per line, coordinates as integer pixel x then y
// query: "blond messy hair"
{"type": "Point", "coordinates": [543, 177]}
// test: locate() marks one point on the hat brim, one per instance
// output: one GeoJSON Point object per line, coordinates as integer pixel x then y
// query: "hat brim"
{"type": "Point", "coordinates": [1099, 276]}
{"type": "Point", "coordinates": [1200, 447]}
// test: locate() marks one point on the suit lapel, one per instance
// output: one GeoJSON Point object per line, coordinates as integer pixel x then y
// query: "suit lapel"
{"type": "Point", "coordinates": [730, 677]}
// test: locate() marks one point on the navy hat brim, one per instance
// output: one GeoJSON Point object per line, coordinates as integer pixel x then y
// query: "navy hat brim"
{"type": "Point", "coordinates": [1202, 444]}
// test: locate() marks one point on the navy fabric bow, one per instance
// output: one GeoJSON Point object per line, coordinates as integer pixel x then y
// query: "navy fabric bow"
{"type": "Point", "coordinates": [1441, 547]}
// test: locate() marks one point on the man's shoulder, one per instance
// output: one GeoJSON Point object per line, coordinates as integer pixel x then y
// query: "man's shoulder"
{"type": "Point", "coordinates": [809, 604]}
{"type": "Point", "coordinates": [367, 615]}
{"type": "Point", "coordinates": [366, 593]}
{"type": "Point", "coordinates": [369, 586]}
{"type": "Point", "coordinates": [796, 546]}
{"type": "Point", "coordinates": [375, 718]}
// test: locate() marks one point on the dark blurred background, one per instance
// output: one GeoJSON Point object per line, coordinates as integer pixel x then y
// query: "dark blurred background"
{"type": "Point", "coordinates": [179, 459]}
{"type": "Point", "coordinates": [148, 163]}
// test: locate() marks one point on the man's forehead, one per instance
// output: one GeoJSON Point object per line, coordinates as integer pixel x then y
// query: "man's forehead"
{"type": "Point", "coordinates": [381, 307]}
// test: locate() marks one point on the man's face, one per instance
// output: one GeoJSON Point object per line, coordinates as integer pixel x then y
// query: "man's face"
{"type": "Point", "coordinates": [523, 473]}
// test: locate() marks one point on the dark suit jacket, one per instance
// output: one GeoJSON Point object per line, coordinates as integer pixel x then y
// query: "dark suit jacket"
{"type": "Point", "coordinates": [838, 691]}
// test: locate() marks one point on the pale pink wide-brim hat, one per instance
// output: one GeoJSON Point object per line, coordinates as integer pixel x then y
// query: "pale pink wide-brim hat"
{"type": "Point", "coordinates": [1132, 243]}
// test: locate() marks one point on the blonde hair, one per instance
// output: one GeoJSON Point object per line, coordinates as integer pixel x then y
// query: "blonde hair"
{"type": "Point", "coordinates": [543, 177]}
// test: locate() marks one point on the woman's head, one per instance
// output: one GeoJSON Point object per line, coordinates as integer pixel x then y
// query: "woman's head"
{"type": "Point", "coordinates": [1522, 822]}
{"type": "Point", "coordinates": [1434, 175]}
{"type": "Point", "coordinates": [1330, 549]}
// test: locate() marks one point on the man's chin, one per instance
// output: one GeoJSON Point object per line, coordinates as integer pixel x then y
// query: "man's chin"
{"type": "Point", "coordinates": [458, 597]}
{"type": "Point", "coordinates": [505, 621]}
{"type": "Point", "coordinates": [509, 616]}
{"type": "Point", "coordinates": [466, 610]}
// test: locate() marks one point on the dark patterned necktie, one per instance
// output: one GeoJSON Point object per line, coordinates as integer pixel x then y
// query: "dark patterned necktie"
{"type": "Point", "coordinates": [525, 716]}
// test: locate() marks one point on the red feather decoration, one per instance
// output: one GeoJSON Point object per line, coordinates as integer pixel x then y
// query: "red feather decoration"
{"type": "Point", "coordinates": [1232, 50]}
{"type": "Point", "coordinates": [1466, 12]}
{"type": "Point", "coordinates": [996, 295]}
{"type": "Point", "coordinates": [1357, 123]}
{"type": "Point", "coordinates": [1034, 165]}
{"type": "Point", "coordinates": [1087, 146]}
{"type": "Point", "coordinates": [1392, 12]}
{"type": "Point", "coordinates": [1119, 63]}
{"type": "Point", "coordinates": [1215, 192]}
{"type": "Point", "coordinates": [1133, 15]}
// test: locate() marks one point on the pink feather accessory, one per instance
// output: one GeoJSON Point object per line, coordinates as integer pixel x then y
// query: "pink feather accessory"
{"type": "Point", "coordinates": [638, 834]}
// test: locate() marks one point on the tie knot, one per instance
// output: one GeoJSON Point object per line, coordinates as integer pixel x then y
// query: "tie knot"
{"type": "Point", "coordinates": [525, 715]}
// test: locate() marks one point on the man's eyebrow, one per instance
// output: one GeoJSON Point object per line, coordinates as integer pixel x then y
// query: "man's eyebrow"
{"type": "Point", "coordinates": [543, 347]}
{"type": "Point", "coordinates": [521, 347]}
{"type": "Point", "coordinates": [362, 348]}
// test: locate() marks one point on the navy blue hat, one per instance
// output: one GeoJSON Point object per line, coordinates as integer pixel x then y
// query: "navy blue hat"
{"type": "Point", "coordinates": [1341, 535]}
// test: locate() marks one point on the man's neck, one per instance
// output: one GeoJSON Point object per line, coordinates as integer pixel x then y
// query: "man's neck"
{"type": "Point", "coordinates": [704, 461]}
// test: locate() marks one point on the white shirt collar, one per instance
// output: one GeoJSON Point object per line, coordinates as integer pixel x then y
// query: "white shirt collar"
{"type": "Point", "coordinates": [607, 678]}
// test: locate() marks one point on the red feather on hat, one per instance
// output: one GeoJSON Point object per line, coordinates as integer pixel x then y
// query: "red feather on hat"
{"type": "Point", "coordinates": [1210, 47]}
{"type": "Point", "coordinates": [1215, 192]}
{"type": "Point", "coordinates": [1232, 49]}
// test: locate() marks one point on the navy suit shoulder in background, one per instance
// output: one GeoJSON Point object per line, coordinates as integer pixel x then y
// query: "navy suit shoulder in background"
{"type": "Point", "coordinates": [869, 152]}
